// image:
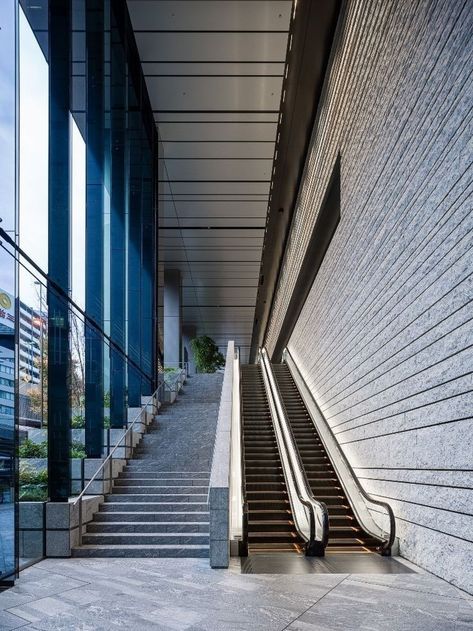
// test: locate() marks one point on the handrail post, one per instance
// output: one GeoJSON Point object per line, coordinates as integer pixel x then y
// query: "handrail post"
{"type": "Point", "coordinates": [110, 473]}
{"type": "Point", "coordinates": [107, 464]}
{"type": "Point", "coordinates": [80, 521]}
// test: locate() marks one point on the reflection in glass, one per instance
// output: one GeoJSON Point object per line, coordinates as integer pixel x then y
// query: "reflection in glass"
{"type": "Point", "coordinates": [8, 215]}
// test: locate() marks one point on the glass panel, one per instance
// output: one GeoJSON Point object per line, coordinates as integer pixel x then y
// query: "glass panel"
{"type": "Point", "coordinates": [8, 328]}
{"type": "Point", "coordinates": [33, 417]}
{"type": "Point", "coordinates": [77, 215]}
{"type": "Point", "coordinates": [33, 155]}
{"type": "Point", "coordinates": [32, 304]}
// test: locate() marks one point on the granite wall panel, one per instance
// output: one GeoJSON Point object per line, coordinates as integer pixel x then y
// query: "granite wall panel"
{"type": "Point", "coordinates": [385, 339]}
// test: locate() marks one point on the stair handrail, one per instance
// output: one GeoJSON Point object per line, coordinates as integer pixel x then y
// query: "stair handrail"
{"type": "Point", "coordinates": [385, 548]}
{"type": "Point", "coordinates": [180, 374]}
{"type": "Point", "coordinates": [108, 460]}
{"type": "Point", "coordinates": [317, 511]}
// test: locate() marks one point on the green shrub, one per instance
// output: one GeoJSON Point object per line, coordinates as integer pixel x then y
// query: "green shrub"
{"type": "Point", "coordinates": [33, 493]}
{"type": "Point", "coordinates": [78, 422]}
{"type": "Point", "coordinates": [33, 484]}
{"type": "Point", "coordinates": [77, 450]}
{"type": "Point", "coordinates": [206, 354]}
{"type": "Point", "coordinates": [28, 475]}
{"type": "Point", "coordinates": [29, 449]}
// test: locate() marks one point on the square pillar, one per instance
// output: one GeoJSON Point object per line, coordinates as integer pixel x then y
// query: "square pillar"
{"type": "Point", "coordinates": [172, 317]}
{"type": "Point", "coordinates": [188, 334]}
{"type": "Point", "coordinates": [59, 409]}
{"type": "Point", "coordinates": [118, 231]}
{"type": "Point", "coordinates": [94, 267]}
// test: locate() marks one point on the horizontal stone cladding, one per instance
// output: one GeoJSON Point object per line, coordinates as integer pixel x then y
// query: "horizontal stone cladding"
{"type": "Point", "coordinates": [385, 338]}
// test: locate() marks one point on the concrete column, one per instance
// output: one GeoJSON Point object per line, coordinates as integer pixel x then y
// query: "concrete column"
{"type": "Point", "coordinates": [172, 317]}
{"type": "Point", "coordinates": [188, 333]}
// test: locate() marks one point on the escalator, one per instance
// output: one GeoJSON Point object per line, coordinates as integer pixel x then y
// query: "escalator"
{"type": "Point", "coordinates": [270, 524]}
{"type": "Point", "coordinates": [299, 493]}
{"type": "Point", "coordinates": [345, 533]}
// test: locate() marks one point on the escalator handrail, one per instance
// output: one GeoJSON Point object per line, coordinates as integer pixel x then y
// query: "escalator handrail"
{"type": "Point", "coordinates": [244, 525]}
{"type": "Point", "coordinates": [387, 545]}
{"type": "Point", "coordinates": [305, 495]}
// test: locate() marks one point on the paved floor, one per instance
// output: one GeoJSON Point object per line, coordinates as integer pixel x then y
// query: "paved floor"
{"type": "Point", "coordinates": [185, 594]}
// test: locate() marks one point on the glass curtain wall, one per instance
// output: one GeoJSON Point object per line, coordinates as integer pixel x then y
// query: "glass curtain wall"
{"type": "Point", "coordinates": [9, 320]}
{"type": "Point", "coordinates": [79, 300]}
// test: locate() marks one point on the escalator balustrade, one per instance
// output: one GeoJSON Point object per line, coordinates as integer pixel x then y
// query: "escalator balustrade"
{"type": "Point", "coordinates": [345, 534]}
{"type": "Point", "coordinates": [270, 522]}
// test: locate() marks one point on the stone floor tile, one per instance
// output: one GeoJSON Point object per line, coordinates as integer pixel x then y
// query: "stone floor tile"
{"type": "Point", "coordinates": [185, 594]}
{"type": "Point", "coordinates": [354, 606]}
{"type": "Point", "coordinates": [424, 582]}
{"type": "Point", "coordinates": [13, 597]}
{"type": "Point", "coordinates": [10, 621]}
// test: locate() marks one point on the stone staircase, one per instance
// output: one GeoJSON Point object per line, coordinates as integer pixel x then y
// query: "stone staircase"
{"type": "Point", "coordinates": [158, 507]}
{"type": "Point", "coordinates": [151, 514]}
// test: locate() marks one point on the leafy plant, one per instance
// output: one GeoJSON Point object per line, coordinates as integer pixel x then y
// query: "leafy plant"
{"type": "Point", "coordinates": [206, 354]}
{"type": "Point", "coordinates": [28, 475]}
{"type": "Point", "coordinates": [78, 422]}
{"type": "Point", "coordinates": [77, 450]}
{"type": "Point", "coordinates": [29, 449]}
{"type": "Point", "coordinates": [33, 484]}
{"type": "Point", "coordinates": [33, 493]}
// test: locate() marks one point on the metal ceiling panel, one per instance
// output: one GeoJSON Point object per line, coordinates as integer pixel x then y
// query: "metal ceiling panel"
{"type": "Point", "coordinates": [227, 188]}
{"type": "Point", "coordinates": [232, 15]}
{"type": "Point", "coordinates": [219, 132]}
{"type": "Point", "coordinates": [223, 169]}
{"type": "Point", "coordinates": [218, 150]}
{"type": "Point", "coordinates": [191, 94]}
{"type": "Point", "coordinates": [205, 68]}
{"type": "Point", "coordinates": [214, 71]}
{"type": "Point", "coordinates": [219, 207]}
{"type": "Point", "coordinates": [215, 46]}
{"type": "Point", "coordinates": [215, 222]}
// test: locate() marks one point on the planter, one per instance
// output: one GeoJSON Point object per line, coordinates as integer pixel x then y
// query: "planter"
{"type": "Point", "coordinates": [52, 528]}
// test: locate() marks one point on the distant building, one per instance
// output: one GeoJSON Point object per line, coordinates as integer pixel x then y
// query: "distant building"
{"type": "Point", "coordinates": [31, 323]}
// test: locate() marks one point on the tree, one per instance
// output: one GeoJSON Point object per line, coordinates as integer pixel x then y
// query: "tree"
{"type": "Point", "coordinates": [77, 364]}
{"type": "Point", "coordinates": [38, 394]}
{"type": "Point", "coordinates": [206, 354]}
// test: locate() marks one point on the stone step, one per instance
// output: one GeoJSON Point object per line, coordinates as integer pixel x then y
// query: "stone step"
{"type": "Point", "coordinates": [151, 468]}
{"type": "Point", "coordinates": [147, 489]}
{"type": "Point", "coordinates": [148, 526]}
{"type": "Point", "coordinates": [138, 538]}
{"type": "Point", "coordinates": [160, 507]}
{"type": "Point", "coordinates": [145, 479]}
{"type": "Point", "coordinates": [144, 516]}
{"type": "Point", "coordinates": [142, 551]}
{"type": "Point", "coordinates": [156, 497]}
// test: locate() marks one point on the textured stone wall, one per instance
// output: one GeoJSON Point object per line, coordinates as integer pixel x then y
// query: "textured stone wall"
{"type": "Point", "coordinates": [385, 339]}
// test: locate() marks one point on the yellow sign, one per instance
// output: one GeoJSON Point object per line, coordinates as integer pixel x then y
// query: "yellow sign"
{"type": "Point", "coordinates": [5, 301]}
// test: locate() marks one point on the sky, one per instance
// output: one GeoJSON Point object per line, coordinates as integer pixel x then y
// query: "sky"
{"type": "Point", "coordinates": [33, 165]}
{"type": "Point", "coordinates": [7, 132]}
